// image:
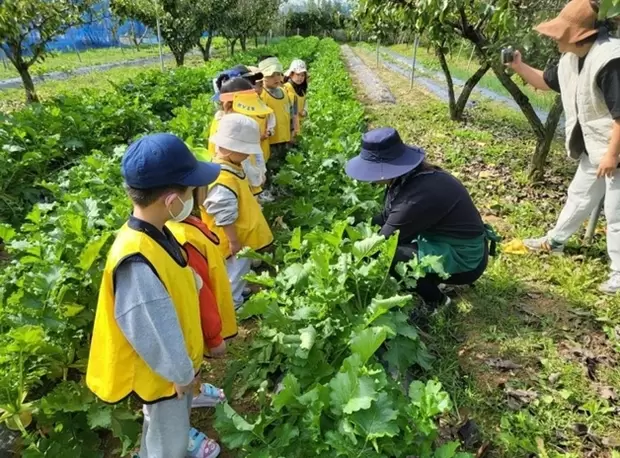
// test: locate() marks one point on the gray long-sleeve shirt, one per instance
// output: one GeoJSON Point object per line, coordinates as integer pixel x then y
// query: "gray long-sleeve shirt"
{"type": "Point", "coordinates": [146, 315]}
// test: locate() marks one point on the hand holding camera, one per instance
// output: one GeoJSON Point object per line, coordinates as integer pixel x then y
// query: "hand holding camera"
{"type": "Point", "coordinates": [511, 57]}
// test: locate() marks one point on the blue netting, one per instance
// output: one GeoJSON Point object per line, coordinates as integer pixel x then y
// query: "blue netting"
{"type": "Point", "coordinates": [100, 33]}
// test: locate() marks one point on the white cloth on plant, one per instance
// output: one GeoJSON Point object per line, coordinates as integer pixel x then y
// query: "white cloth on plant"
{"type": "Point", "coordinates": [584, 194]}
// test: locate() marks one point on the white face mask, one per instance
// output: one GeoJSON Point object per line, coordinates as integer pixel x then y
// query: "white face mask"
{"type": "Point", "coordinates": [188, 206]}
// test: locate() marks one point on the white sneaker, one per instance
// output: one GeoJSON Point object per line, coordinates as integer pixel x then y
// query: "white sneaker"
{"type": "Point", "coordinates": [611, 286]}
{"type": "Point", "coordinates": [544, 244]}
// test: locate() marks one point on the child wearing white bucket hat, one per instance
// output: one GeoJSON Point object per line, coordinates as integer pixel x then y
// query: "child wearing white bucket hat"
{"type": "Point", "coordinates": [233, 213]}
{"type": "Point", "coordinates": [296, 85]}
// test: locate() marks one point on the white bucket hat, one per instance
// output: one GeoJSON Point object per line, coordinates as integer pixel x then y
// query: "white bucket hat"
{"type": "Point", "coordinates": [238, 133]}
{"type": "Point", "coordinates": [270, 66]}
{"type": "Point", "coordinates": [297, 66]}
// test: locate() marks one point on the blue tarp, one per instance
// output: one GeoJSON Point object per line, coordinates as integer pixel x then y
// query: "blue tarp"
{"type": "Point", "coordinates": [99, 33]}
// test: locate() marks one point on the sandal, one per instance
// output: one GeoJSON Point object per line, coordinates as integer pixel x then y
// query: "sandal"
{"type": "Point", "coordinates": [209, 396]}
{"type": "Point", "coordinates": [200, 446]}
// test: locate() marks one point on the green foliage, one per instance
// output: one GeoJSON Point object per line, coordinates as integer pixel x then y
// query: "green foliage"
{"type": "Point", "coordinates": [179, 20]}
{"type": "Point", "coordinates": [329, 309]}
{"type": "Point", "coordinates": [609, 9]}
{"type": "Point", "coordinates": [49, 289]}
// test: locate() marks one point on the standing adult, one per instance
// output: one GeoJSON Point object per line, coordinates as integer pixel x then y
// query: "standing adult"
{"type": "Point", "coordinates": [431, 210]}
{"type": "Point", "coordinates": [588, 79]}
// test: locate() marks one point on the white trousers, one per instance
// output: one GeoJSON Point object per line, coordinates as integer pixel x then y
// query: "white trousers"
{"type": "Point", "coordinates": [584, 194]}
{"type": "Point", "coordinates": [237, 269]}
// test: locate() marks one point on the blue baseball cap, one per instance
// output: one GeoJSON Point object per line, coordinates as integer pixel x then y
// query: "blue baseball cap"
{"type": "Point", "coordinates": [383, 156]}
{"type": "Point", "coordinates": [160, 160]}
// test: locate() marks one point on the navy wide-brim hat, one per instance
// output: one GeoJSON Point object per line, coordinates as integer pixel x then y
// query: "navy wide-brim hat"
{"type": "Point", "coordinates": [384, 156]}
{"type": "Point", "coordinates": [160, 160]}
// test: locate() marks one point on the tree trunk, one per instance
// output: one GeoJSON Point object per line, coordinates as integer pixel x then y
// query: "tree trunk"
{"type": "Point", "coordinates": [243, 42]}
{"type": "Point", "coordinates": [206, 49]}
{"type": "Point", "coordinates": [232, 47]}
{"type": "Point", "coordinates": [31, 94]}
{"type": "Point", "coordinates": [256, 40]}
{"type": "Point", "coordinates": [543, 145]}
{"type": "Point", "coordinates": [469, 86]}
{"type": "Point", "coordinates": [446, 71]}
{"type": "Point", "coordinates": [179, 57]}
{"type": "Point", "coordinates": [524, 103]}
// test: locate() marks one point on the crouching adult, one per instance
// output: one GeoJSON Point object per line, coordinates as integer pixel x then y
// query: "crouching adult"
{"type": "Point", "coordinates": [431, 210]}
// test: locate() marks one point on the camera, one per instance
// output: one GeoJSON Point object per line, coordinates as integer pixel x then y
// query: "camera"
{"type": "Point", "coordinates": [508, 55]}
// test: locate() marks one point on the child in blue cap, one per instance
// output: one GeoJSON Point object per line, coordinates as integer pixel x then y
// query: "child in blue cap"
{"type": "Point", "coordinates": [147, 337]}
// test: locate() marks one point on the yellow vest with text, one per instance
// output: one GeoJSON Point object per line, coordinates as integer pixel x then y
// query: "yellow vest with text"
{"type": "Point", "coordinates": [282, 111]}
{"type": "Point", "coordinates": [186, 233]}
{"type": "Point", "coordinates": [252, 228]}
{"type": "Point", "coordinates": [264, 144]}
{"type": "Point", "coordinates": [301, 100]}
{"type": "Point", "coordinates": [115, 370]}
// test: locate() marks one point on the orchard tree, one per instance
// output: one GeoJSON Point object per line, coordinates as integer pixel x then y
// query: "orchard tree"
{"type": "Point", "coordinates": [212, 15]}
{"type": "Point", "coordinates": [246, 17]}
{"type": "Point", "coordinates": [488, 26]}
{"type": "Point", "coordinates": [438, 35]}
{"type": "Point", "coordinates": [28, 26]}
{"type": "Point", "coordinates": [179, 20]}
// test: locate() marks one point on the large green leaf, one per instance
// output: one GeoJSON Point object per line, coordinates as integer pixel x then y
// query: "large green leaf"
{"type": "Point", "coordinates": [366, 342]}
{"type": "Point", "coordinates": [350, 392]}
{"type": "Point", "coordinates": [234, 431]}
{"type": "Point", "coordinates": [92, 251]}
{"type": "Point", "coordinates": [288, 394]}
{"type": "Point", "coordinates": [379, 307]}
{"type": "Point", "coordinates": [377, 421]}
{"type": "Point", "coordinates": [367, 247]}
{"type": "Point", "coordinates": [308, 337]}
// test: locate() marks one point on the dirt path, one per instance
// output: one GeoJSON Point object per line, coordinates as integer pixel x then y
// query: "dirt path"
{"type": "Point", "coordinates": [375, 90]}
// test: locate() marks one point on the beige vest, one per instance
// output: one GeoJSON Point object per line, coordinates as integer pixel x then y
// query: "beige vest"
{"type": "Point", "coordinates": [583, 100]}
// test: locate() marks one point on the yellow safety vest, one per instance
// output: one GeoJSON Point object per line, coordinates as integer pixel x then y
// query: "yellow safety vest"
{"type": "Point", "coordinates": [252, 228]}
{"type": "Point", "coordinates": [282, 110]}
{"type": "Point", "coordinates": [301, 100]}
{"type": "Point", "coordinates": [115, 370]}
{"type": "Point", "coordinates": [264, 144]}
{"type": "Point", "coordinates": [187, 233]}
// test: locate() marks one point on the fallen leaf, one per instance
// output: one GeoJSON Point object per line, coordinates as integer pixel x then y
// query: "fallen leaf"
{"type": "Point", "coordinates": [553, 378]}
{"type": "Point", "coordinates": [608, 393]}
{"type": "Point", "coordinates": [523, 396]}
{"type": "Point", "coordinates": [502, 364]}
{"type": "Point", "coordinates": [484, 174]}
{"type": "Point", "coordinates": [482, 451]}
{"type": "Point", "coordinates": [611, 442]}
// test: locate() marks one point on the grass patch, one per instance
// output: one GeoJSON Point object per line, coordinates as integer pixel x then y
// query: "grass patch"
{"type": "Point", "coordinates": [12, 99]}
{"type": "Point", "coordinates": [67, 61]}
{"type": "Point", "coordinates": [461, 68]}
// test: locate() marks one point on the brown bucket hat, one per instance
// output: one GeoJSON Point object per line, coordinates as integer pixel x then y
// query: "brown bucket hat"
{"type": "Point", "coordinates": [576, 22]}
